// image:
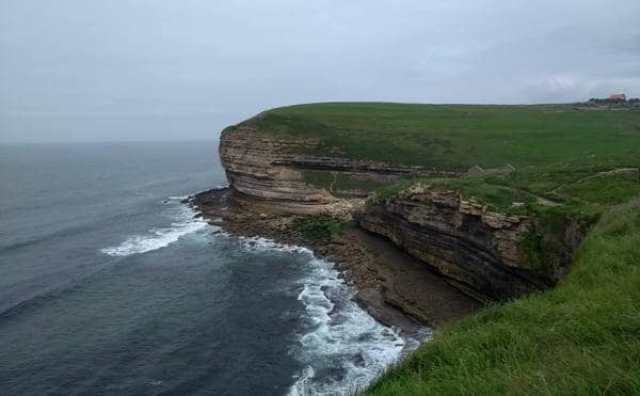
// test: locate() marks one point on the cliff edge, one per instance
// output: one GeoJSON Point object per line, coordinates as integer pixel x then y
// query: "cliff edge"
{"type": "Point", "coordinates": [510, 190]}
{"type": "Point", "coordinates": [500, 201]}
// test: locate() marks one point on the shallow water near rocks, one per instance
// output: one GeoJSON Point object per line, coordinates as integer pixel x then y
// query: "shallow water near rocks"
{"type": "Point", "coordinates": [109, 285]}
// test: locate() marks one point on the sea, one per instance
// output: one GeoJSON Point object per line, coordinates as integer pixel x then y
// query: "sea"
{"type": "Point", "coordinates": [111, 285]}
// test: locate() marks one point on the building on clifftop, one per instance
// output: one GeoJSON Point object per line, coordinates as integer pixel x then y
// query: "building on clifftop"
{"type": "Point", "coordinates": [618, 98]}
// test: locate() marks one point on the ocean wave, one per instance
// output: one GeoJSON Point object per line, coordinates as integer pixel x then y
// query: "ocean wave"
{"type": "Point", "coordinates": [263, 244]}
{"type": "Point", "coordinates": [159, 238]}
{"type": "Point", "coordinates": [61, 233]}
{"type": "Point", "coordinates": [178, 197]}
{"type": "Point", "coordinates": [222, 186]}
{"type": "Point", "coordinates": [343, 349]}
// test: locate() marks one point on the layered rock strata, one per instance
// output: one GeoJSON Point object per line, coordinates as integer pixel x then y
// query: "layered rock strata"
{"type": "Point", "coordinates": [276, 170]}
{"type": "Point", "coordinates": [488, 255]}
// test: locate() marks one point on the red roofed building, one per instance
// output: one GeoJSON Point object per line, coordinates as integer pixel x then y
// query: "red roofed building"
{"type": "Point", "coordinates": [618, 98]}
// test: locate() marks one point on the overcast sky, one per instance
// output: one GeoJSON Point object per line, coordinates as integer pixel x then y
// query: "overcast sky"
{"type": "Point", "coordinates": [84, 70]}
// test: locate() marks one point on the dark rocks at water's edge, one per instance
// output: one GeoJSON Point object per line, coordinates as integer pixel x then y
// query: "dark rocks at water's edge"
{"type": "Point", "coordinates": [394, 287]}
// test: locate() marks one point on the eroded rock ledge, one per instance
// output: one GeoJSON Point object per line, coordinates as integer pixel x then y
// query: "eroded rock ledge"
{"type": "Point", "coordinates": [488, 255]}
{"type": "Point", "coordinates": [276, 170]}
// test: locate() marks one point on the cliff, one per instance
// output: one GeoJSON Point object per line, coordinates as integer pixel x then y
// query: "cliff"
{"type": "Point", "coordinates": [488, 255]}
{"type": "Point", "coordinates": [499, 200]}
{"type": "Point", "coordinates": [483, 253]}
{"type": "Point", "coordinates": [292, 174]}
{"type": "Point", "coordinates": [262, 167]}
{"type": "Point", "coordinates": [528, 184]}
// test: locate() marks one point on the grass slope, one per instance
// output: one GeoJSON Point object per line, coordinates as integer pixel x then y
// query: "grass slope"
{"type": "Point", "coordinates": [459, 137]}
{"type": "Point", "coordinates": [582, 338]}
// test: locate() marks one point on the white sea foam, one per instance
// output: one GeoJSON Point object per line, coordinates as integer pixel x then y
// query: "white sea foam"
{"type": "Point", "coordinates": [178, 197]}
{"type": "Point", "coordinates": [264, 244]}
{"type": "Point", "coordinates": [158, 238]}
{"type": "Point", "coordinates": [342, 348]}
{"type": "Point", "coordinates": [304, 382]}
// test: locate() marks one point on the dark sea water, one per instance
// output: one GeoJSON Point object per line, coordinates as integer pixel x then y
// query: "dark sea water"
{"type": "Point", "coordinates": [109, 286]}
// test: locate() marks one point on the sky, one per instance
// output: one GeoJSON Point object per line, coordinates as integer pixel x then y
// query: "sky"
{"type": "Point", "coordinates": [79, 70]}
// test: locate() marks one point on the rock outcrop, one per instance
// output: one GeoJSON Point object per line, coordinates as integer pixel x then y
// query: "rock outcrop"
{"type": "Point", "coordinates": [488, 255]}
{"type": "Point", "coordinates": [257, 166]}
{"type": "Point", "coordinates": [289, 174]}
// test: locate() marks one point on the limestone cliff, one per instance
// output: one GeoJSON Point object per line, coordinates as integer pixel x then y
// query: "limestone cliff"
{"type": "Point", "coordinates": [258, 166]}
{"type": "Point", "coordinates": [291, 173]}
{"type": "Point", "coordinates": [486, 254]}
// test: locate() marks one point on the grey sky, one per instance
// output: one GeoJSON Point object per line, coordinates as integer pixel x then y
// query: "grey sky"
{"type": "Point", "coordinates": [183, 69]}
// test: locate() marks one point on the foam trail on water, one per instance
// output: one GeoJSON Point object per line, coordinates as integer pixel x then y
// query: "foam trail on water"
{"type": "Point", "coordinates": [178, 197]}
{"type": "Point", "coordinates": [341, 347]}
{"type": "Point", "coordinates": [264, 244]}
{"type": "Point", "coordinates": [158, 238]}
{"type": "Point", "coordinates": [344, 349]}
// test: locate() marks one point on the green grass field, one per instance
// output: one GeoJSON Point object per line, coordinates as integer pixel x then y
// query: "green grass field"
{"type": "Point", "coordinates": [581, 338]}
{"type": "Point", "coordinates": [558, 151]}
{"type": "Point", "coordinates": [553, 148]}
{"type": "Point", "coordinates": [459, 137]}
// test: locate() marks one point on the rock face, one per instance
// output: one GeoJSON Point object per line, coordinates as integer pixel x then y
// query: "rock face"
{"type": "Point", "coordinates": [257, 166]}
{"type": "Point", "coordinates": [485, 254]}
{"type": "Point", "coordinates": [277, 171]}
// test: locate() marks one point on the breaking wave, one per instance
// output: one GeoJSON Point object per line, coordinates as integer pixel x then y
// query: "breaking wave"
{"type": "Point", "coordinates": [341, 348]}
{"type": "Point", "coordinates": [158, 238]}
{"type": "Point", "coordinates": [264, 244]}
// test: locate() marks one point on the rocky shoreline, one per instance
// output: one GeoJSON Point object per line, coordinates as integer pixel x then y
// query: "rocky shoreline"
{"type": "Point", "coordinates": [394, 287]}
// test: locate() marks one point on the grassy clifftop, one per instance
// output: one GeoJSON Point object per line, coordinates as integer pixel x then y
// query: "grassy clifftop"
{"type": "Point", "coordinates": [459, 137]}
{"type": "Point", "coordinates": [582, 159]}
{"type": "Point", "coordinates": [560, 160]}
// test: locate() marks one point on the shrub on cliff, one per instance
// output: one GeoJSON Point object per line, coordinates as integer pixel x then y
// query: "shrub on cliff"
{"type": "Point", "coordinates": [319, 227]}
